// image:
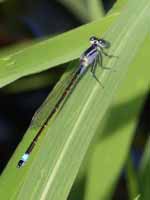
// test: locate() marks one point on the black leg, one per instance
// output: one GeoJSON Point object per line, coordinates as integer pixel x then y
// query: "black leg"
{"type": "Point", "coordinates": [108, 55]}
{"type": "Point", "coordinates": [93, 70]}
{"type": "Point", "coordinates": [100, 61]}
{"type": "Point", "coordinates": [93, 66]}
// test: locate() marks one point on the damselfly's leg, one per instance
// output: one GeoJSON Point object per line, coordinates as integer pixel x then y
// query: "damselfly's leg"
{"type": "Point", "coordinates": [108, 55]}
{"type": "Point", "coordinates": [100, 61]}
{"type": "Point", "coordinates": [93, 66]}
{"type": "Point", "coordinates": [93, 70]}
{"type": "Point", "coordinates": [101, 64]}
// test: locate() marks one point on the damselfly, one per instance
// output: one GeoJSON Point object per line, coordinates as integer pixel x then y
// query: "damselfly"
{"type": "Point", "coordinates": [89, 59]}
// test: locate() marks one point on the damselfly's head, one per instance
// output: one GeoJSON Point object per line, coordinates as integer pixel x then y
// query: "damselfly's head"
{"type": "Point", "coordinates": [100, 42]}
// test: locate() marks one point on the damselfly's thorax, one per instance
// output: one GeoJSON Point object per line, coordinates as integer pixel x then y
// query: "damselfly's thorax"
{"type": "Point", "coordinates": [96, 48]}
{"type": "Point", "coordinates": [89, 55]}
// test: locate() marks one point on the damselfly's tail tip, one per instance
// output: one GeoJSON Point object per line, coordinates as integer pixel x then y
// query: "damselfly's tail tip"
{"type": "Point", "coordinates": [23, 160]}
{"type": "Point", "coordinates": [20, 164]}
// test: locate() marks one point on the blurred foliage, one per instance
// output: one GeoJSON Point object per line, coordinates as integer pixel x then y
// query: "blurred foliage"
{"type": "Point", "coordinates": [144, 172]}
{"type": "Point", "coordinates": [85, 10]}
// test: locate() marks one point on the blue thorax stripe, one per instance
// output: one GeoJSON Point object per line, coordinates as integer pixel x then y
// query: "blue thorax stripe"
{"type": "Point", "coordinates": [90, 51]}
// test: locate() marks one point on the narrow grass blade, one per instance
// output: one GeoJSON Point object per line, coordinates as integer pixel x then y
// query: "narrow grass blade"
{"type": "Point", "coordinates": [131, 179]}
{"type": "Point", "coordinates": [95, 9]}
{"type": "Point", "coordinates": [78, 8]}
{"type": "Point", "coordinates": [144, 173]}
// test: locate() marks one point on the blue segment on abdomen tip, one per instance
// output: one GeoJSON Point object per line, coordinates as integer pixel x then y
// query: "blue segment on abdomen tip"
{"type": "Point", "coordinates": [25, 157]}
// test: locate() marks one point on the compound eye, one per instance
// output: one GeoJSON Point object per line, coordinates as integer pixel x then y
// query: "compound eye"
{"type": "Point", "coordinates": [103, 43]}
{"type": "Point", "coordinates": [92, 39]}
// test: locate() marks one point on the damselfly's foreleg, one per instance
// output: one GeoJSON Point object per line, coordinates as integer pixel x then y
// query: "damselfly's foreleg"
{"type": "Point", "coordinates": [108, 55]}
{"type": "Point", "coordinates": [100, 61]}
{"type": "Point", "coordinates": [93, 70]}
{"type": "Point", "coordinates": [93, 66]}
{"type": "Point", "coordinates": [101, 65]}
